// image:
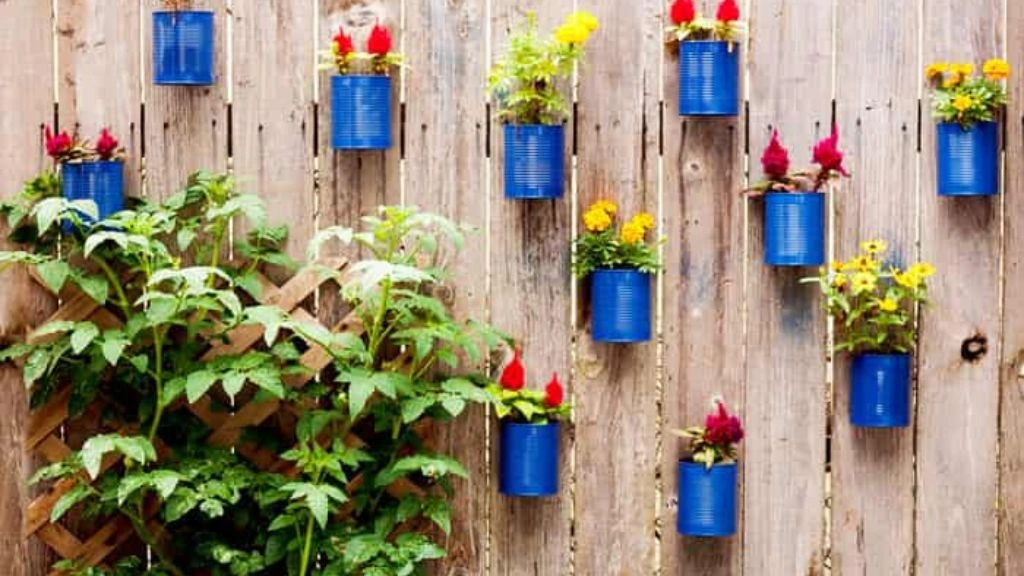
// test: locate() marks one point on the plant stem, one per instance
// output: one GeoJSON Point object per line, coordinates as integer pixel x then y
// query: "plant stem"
{"type": "Point", "coordinates": [158, 348]}
{"type": "Point", "coordinates": [376, 336]}
{"type": "Point", "coordinates": [307, 548]}
{"type": "Point", "coordinates": [147, 538]}
{"type": "Point", "coordinates": [116, 282]}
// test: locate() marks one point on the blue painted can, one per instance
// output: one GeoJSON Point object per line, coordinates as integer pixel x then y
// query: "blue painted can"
{"type": "Point", "coordinates": [967, 160]}
{"type": "Point", "coordinates": [709, 78]}
{"type": "Point", "coordinates": [529, 459]}
{"type": "Point", "coordinates": [707, 499]}
{"type": "Point", "coordinates": [880, 390]}
{"type": "Point", "coordinates": [620, 310]}
{"type": "Point", "coordinates": [794, 228]}
{"type": "Point", "coordinates": [183, 48]}
{"type": "Point", "coordinates": [101, 182]}
{"type": "Point", "coordinates": [534, 161]}
{"type": "Point", "coordinates": [360, 112]}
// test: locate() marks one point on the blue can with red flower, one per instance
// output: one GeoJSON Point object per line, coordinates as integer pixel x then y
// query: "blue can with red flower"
{"type": "Point", "coordinates": [880, 390]}
{"type": "Point", "coordinates": [794, 228]}
{"type": "Point", "coordinates": [709, 78]}
{"type": "Point", "coordinates": [360, 112]}
{"type": "Point", "coordinates": [620, 310]}
{"type": "Point", "coordinates": [529, 459]}
{"type": "Point", "coordinates": [101, 181]}
{"type": "Point", "coordinates": [707, 499]}
{"type": "Point", "coordinates": [183, 47]}
{"type": "Point", "coordinates": [534, 161]}
{"type": "Point", "coordinates": [967, 159]}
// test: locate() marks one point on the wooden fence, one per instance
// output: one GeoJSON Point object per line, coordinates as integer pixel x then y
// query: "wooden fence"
{"type": "Point", "coordinates": [941, 498]}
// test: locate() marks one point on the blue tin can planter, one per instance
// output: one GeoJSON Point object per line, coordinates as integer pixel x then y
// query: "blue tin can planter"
{"type": "Point", "coordinates": [101, 182]}
{"type": "Point", "coordinates": [709, 78]}
{"type": "Point", "coordinates": [967, 161]}
{"type": "Point", "coordinates": [880, 390]}
{"type": "Point", "coordinates": [360, 112]}
{"type": "Point", "coordinates": [183, 48]}
{"type": "Point", "coordinates": [794, 229]}
{"type": "Point", "coordinates": [534, 161]}
{"type": "Point", "coordinates": [620, 310]}
{"type": "Point", "coordinates": [707, 499]}
{"type": "Point", "coordinates": [529, 459]}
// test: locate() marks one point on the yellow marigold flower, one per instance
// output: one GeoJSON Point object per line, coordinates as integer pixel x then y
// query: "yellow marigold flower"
{"type": "Point", "coordinates": [587, 19]}
{"type": "Point", "coordinates": [952, 80]}
{"type": "Point", "coordinates": [906, 279]}
{"type": "Point", "coordinates": [962, 102]}
{"type": "Point", "coordinates": [597, 220]}
{"type": "Point", "coordinates": [835, 265]}
{"type": "Point", "coordinates": [874, 246]}
{"type": "Point", "coordinates": [644, 219]}
{"type": "Point", "coordinates": [839, 280]}
{"type": "Point", "coordinates": [962, 69]}
{"type": "Point", "coordinates": [922, 270]}
{"type": "Point", "coordinates": [632, 232]}
{"type": "Point", "coordinates": [606, 205]}
{"type": "Point", "coordinates": [935, 69]}
{"type": "Point", "coordinates": [572, 32]}
{"type": "Point", "coordinates": [863, 263]}
{"type": "Point", "coordinates": [888, 305]}
{"type": "Point", "coordinates": [863, 282]}
{"type": "Point", "coordinates": [996, 69]}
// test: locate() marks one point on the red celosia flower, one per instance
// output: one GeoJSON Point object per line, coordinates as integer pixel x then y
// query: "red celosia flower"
{"type": "Point", "coordinates": [379, 43]}
{"type": "Point", "coordinates": [828, 156]}
{"type": "Point", "coordinates": [513, 376]}
{"type": "Point", "coordinates": [722, 428]}
{"type": "Point", "coordinates": [683, 12]}
{"type": "Point", "coordinates": [59, 145]}
{"type": "Point", "coordinates": [728, 11]}
{"type": "Point", "coordinates": [775, 160]}
{"type": "Point", "coordinates": [106, 145]}
{"type": "Point", "coordinates": [343, 43]}
{"type": "Point", "coordinates": [553, 392]}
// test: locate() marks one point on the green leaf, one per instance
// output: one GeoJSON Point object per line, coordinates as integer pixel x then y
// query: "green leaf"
{"type": "Point", "coordinates": [93, 451]}
{"type": "Point", "coordinates": [68, 501]}
{"type": "Point", "coordinates": [54, 274]}
{"type": "Point", "coordinates": [232, 382]}
{"type": "Point", "coordinates": [315, 498]}
{"type": "Point", "coordinates": [414, 407]}
{"type": "Point", "coordinates": [113, 348]}
{"type": "Point", "coordinates": [438, 511]}
{"type": "Point", "coordinates": [84, 334]}
{"type": "Point", "coordinates": [466, 389]}
{"type": "Point", "coordinates": [359, 391]}
{"type": "Point", "coordinates": [140, 362]}
{"type": "Point", "coordinates": [46, 213]}
{"type": "Point", "coordinates": [453, 404]}
{"type": "Point", "coordinates": [269, 379]}
{"type": "Point", "coordinates": [198, 384]}
{"type": "Point", "coordinates": [95, 287]}
{"type": "Point", "coordinates": [97, 238]}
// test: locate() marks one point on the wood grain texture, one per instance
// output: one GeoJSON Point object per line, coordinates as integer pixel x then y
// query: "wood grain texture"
{"type": "Point", "coordinates": [444, 167]}
{"type": "Point", "coordinates": [786, 374]}
{"type": "Point", "coordinates": [99, 78]}
{"type": "Point", "coordinates": [616, 385]}
{"type": "Point", "coordinates": [531, 300]}
{"type": "Point", "coordinates": [873, 470]}
{"type": "Point", "coordinates": [185, 126]}
{"type": "Point", "coordinates": [272, 112]}
{"type": "Point", "coordinates": [958, 399]}
{"type": "Point", "coordinates": [1011, 455]}
{"type": "Point", "coordinates": [25, 31]}
{"type": "Point", "coordinates": [703, 318]}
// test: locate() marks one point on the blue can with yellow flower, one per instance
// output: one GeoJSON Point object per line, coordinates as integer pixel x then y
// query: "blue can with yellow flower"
{"type": "Point", "coordinates": [880, 390]}
{"type": "Point", "coordinates": [619, 262]}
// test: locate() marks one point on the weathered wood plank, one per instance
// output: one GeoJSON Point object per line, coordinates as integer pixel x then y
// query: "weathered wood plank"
{"type": "Point", "coordinates": [530, 299]}
{"type": "Point", "coordinates": [185, 127]}
{"type": "Point", "coordinates": [958, 399]}
{"type": "Point", "coordinates": [615, 386]}
{"type": "Point", "coordinates": [785, 370]}
{"type": "Point", "coordinates": [272, 112]}
{"type": "Point", "coordinates": [873, 471]}
{"type": "Point", "coordinates": [26, 41]}
{"type": "Point", "coordinates": [444, 165]}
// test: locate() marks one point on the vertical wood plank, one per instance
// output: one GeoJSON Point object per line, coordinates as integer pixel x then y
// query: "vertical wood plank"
{"type": "Point", "coordinates": [185, 127]}
{"type": "Point", "coordinates": [616, 385]}
{"type": "Point", "coordinates": [790, 88]}
{"type": "Point", "coordinates": [958, 398]}
{"type": "Point", "coordinates": [26, 97]}
{"type": "Point", "coordinates": [703, 319]}
{"type": "Point", "coordinates": [873, 470]}
{"type": "Point", "coordinates": [1011, 454]}
{"type": "Point", "coordinates": [272, 112]}
{"type": "Point", "coordinates": [530, 298]}
{"type": "Point", "coordinates": [444, 163]}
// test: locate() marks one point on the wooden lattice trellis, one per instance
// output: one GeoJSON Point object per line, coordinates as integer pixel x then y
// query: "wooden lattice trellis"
{"type": "Point", "coordinates": [44, 433]}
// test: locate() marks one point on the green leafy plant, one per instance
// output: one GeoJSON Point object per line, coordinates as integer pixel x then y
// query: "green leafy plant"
{"type": "Point", "coordinates": [525, 81]}
{"type": "Point", "coordinates": [601, 246]}
{"type": "Point", "coordinates": [355, 486]}
{"type": "Point", "coordinates": [514, 401]}
{"type": "Point", "coordinates": [873, 304]}
{"type": "Point", "coordinates": [959, 96]}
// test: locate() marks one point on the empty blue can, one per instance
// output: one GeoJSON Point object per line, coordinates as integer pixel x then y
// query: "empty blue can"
{"type": "Point", "coordinates": [183, 48]}
{"type": "Point", "coordinates": [707, 499]}
{"type": "Point", "coordinates": [620, 310]}
{"type": "Point", "coordinates": [102, 182]}
{"type": "Point", "coordinates": [528, 459]}
{"type": "Point", "coordinates": [967, 159]}
{"type": "Point", "coordinates": [880, 390]}
{"type": "Point", "coordinates": [794, 228]}
{"type": "Point", "coordinates": [709, 78]}
{"type": "Point", "coordinates": [534, 161]}
{"type": "Point", "coordinates": [360, 112]}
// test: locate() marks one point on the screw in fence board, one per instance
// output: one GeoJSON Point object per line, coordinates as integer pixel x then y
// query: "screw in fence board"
{"type": "Point", "coordinates": [784, 462]}
{"type": "Point", "coordinates": [445, 119]}
{"type": "Point", "coordinates": [873, 470]}
{"type": "Point", "coordinates": [957, 409]}
{"type": "Point", "coordinates": [615, 385]}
